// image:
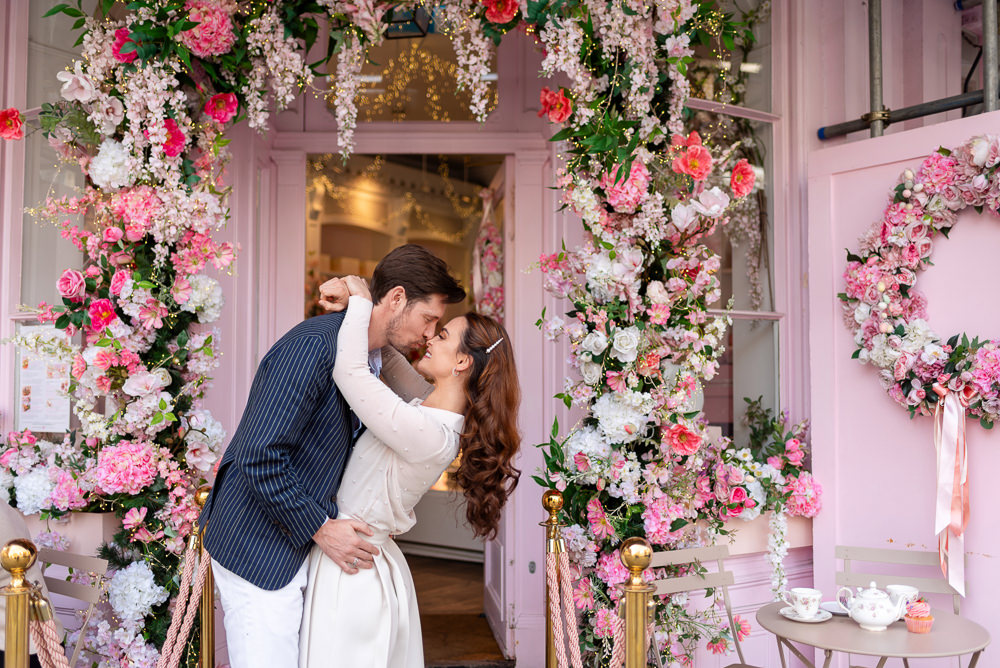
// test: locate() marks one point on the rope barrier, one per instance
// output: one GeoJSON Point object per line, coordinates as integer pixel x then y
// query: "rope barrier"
{"type": "Point", "coordinates": [569, 610]}
{"type": "Point", "coordinates": [185, 608]}
{"type": "Point", "coordinates": [50, 651]}
{"type": "Point", "coordinates": [552, 581]}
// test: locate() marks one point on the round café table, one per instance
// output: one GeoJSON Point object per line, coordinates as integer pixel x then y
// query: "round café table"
{"type": "Point", "coordinates": [951, 635]}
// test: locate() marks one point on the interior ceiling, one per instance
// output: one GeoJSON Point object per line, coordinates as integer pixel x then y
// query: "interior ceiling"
{"type": "Point", "coordinates": [476, 169]}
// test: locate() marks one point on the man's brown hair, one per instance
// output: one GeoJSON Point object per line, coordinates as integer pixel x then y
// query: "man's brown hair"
{"type": "Point", "coordinates": [419, 272]}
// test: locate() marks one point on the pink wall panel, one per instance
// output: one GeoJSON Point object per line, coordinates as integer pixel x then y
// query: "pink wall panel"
{"type": "Point", "coordinates": [877, 465]}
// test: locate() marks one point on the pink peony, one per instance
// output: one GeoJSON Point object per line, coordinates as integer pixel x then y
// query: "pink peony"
{"type": "Point", "coordinates": [102, 314]}
{"type": "Point", "coordinates": [500, 11]}
{"type": "Point", "coordinates": [696, 162]}
{"type": "Point", "coordinates": [121, 39]}
{"type": "Point", "coordinates": [11, 124]}
{"type": "Point", "coordinates": [222, 107]}
{"type": "Point", "coordinates": [126, 468]}
{"type": "Point", "coordinates": [627, 194]}
{"type": "Point", "coordinates": [175, 139]}
{"type": "Point", "coordinates": [213, 36]}
{"type": "Point", "coordinates": [71, 284]}
{"type": "Point", "coordinates": [681, 440]}
{"type": "Point", "coordinates": [742, 179]}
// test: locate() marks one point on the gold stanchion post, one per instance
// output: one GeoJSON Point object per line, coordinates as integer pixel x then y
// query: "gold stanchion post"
{"type": "Point", "coordinates": [16, 558]}
{"type": "Point", "coordinates": [636, 554]}
{"type": "Point", "coordinates": [552, 501]}
{"type": "Point", "coordinates": [207, 609]}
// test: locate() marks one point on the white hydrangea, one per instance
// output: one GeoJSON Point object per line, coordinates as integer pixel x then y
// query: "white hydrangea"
{"type": "Point", "coordinates": [206, 298]}
{"type": "Point", "coordinates": [6, 483]}
{"type": "Point", "coordinates": [622, 416]}
{"type": "Point", "coordinates": [111, 167]}
{"type": "Point", "coordinates": [588, 441]}
{"type": "Point", "coordinates": [133, 592]}
{"type": "Point", "coordinates": [33, 491]}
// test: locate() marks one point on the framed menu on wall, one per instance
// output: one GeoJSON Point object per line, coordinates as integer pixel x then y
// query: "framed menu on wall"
{"type": "Point", "coordinates": [42, 403]}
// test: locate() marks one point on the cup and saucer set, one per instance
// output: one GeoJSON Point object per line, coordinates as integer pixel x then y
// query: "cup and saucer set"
{"type": "Point", "coordinates": [804, 606]}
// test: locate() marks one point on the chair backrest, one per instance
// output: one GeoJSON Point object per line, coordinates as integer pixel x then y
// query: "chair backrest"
{"type": "Point", "coordinates": [880, 555]}
{"type": "Point", "coordinates": [720, 579]}
{"type": "Point", "coordinates": [90, 594]}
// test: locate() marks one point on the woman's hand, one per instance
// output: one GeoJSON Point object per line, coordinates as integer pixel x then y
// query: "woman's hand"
{"type": "Point", "coordinates": [357, 286]}
{"type": "Point", "coordinates": [333, 295]}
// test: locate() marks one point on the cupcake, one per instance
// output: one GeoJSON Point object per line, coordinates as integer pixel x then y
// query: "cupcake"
{"type": "Point", "coordinates": [918, 616]}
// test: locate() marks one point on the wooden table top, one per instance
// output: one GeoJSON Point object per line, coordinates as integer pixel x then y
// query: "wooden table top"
{"type": "Point", "coordinates": [951, 635]}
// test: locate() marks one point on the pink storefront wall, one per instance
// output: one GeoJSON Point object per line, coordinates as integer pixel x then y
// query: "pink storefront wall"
{"type": "Point", "coordinates": [877, 466]}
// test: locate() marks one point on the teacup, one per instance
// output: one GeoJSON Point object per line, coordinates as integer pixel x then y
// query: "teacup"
{"type": "Point", "coordinates": [804, 601]}
{"type": "Point", "coordinates": [898, 591]}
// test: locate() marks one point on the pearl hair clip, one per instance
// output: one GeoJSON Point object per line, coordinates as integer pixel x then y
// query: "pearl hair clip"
{"type": "Point", "coordinates": [495, 344]}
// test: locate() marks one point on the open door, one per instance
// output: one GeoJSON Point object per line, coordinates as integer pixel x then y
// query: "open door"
{"type": "Point", "coordinates": [498, 594]}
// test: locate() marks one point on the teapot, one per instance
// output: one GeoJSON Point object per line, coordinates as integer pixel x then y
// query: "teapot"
{"type": "Point", "coordinates": [871, 608]}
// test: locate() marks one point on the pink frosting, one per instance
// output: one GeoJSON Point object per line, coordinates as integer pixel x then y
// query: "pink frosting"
{"type": "Point", "coordinates": [918, 609]}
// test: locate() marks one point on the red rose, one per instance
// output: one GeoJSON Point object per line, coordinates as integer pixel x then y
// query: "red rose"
{"type": "Point", "coordinates": [500, 11]}
{"type": "Point", "coordinates": [742, 179]}
{"type": "Point", "coordinates": [11, 124]}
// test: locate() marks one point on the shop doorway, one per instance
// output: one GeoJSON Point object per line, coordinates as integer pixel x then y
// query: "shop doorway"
{"type": "Point", "coordinates": [358, 211]}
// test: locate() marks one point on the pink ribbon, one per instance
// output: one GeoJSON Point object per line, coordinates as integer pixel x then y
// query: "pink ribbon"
{"type": "Point", "coordinates": [951, 514]}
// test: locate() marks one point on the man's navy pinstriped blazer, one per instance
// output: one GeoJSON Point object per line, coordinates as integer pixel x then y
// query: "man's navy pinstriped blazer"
{"type": "Point", "coordinates": [278, 477]}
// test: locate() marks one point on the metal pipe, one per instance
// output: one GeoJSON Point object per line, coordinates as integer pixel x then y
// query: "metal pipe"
{"type": "Point", "coordinates": [636, 554]}
{"type": "Point", "coordinates": [991, 77]}
{"type": "Point", "coordinates": [875, 63]}
{"type": "Point", "coordinates": [552, 501]}
{"type": "Point", "coordinates": [206, 611]}
{"type": "Point", "coordinates": [905, 113]}
{"type": "Point", "coordinates": [16, 558]}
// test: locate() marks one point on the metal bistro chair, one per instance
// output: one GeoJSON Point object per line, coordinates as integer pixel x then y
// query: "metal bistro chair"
{"type": "Point", "coordinates": [877, 555]}
{"type": "Point", "coordinates": [89, 594]}
{"type": "Point", "coordinates": [720, 579]}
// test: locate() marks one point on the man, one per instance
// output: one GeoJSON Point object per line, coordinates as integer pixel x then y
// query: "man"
{"type": "Point", "coordinates": [275, 492]}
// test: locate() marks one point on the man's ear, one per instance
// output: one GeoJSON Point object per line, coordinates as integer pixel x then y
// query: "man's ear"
{"type": "Point", "coordinates": [396, 299]}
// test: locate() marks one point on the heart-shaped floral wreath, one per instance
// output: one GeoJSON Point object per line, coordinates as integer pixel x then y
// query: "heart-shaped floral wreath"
{"type": "Point", "coordinates": [886, 312]}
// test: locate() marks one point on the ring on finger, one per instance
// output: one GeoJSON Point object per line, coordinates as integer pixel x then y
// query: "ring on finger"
{"type": "Point", "coordinates": [354, 564]}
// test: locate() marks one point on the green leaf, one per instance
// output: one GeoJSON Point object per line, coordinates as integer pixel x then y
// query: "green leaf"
{"type": "Point", "coordinates": [62, 322]}
{"type": "Point", "coordinates": [157, 419]}
{"type": "Point", "coordinates": [555, 427]}
{"type": "Point", "coordinates": [103, 343]}
{"type": "Point", "coordinates": [145, 285]}
{"type": "Point", "coordinates": [857, 353]}
{"type": "Point", "coordinates": [985, 423]}
{"type": "Point", "coordinates": [55, 10]}
{"type": "Point", "coordinates": [943, 151]}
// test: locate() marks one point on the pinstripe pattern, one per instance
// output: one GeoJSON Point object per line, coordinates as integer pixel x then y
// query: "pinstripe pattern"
{"type": "Point", "coordinates": [277, 478]}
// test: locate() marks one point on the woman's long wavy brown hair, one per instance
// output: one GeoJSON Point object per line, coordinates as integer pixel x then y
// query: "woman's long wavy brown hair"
{"type": "Point", "coordinates": [490, 439]}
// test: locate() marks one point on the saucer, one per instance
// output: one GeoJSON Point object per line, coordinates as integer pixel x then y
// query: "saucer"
{"type": "Point", "coordinates": [789, 613]}
{"type": "Point", "coordinates": [833, 608]}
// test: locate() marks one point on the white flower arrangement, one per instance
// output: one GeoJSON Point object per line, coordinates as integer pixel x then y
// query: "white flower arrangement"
{"type": "Point", "coordinates": [133, 592]}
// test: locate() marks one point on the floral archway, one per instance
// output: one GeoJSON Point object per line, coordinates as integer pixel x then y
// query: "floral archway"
{"type": "Point", "coordinates": [144, 114]}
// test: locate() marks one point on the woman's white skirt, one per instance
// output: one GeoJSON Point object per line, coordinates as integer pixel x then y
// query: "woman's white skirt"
{"type": "Point", "coordinates": [366, 619]}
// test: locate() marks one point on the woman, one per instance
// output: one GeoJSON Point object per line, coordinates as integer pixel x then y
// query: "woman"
{"type": "Point", "coordinates": [370, 618]}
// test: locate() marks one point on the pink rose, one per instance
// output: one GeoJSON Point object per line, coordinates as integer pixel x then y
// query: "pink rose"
{"type": "Point", "coordinates": [792, 444]}
{"type": "Point", "coordinates": [118, 281]}
{"type": "Point", "coordinates": [71, 284]}
{"type": "Point", "coordinates": [222, 107]}
{"type": "Point", "coordinates": [776, 462]}
{"type": "Point", "coordinates": [113, 235]}
{"type": "Point", "coordinates": [102, 314]}
{"type": "Point", "coordinates": [681, 440]}
{"type": "Point", "coordinates": [742, 179]}
{"type": "Point", "coordinates": [11, 124]}
{"type": "Point", "coordinates": [121, 39]}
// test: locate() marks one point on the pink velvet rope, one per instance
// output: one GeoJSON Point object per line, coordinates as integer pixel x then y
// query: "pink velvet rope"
{"type": "Point", "coordinates": [569, 610]}
{"type": "Point", "coordinates": [171, 644]}
{"type": "Point", "coordinates": [192, 610]}
{"type": "Point", "coordinates": [552, 580]}
{"type": "Point", "coordinates": [50, 651]}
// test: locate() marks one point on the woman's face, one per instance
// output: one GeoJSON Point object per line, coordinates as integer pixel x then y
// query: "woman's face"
{"type": "Point", "coordinates": [443, 354]}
